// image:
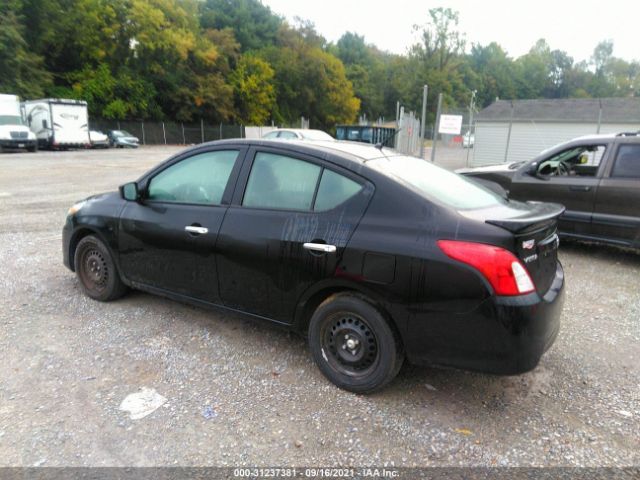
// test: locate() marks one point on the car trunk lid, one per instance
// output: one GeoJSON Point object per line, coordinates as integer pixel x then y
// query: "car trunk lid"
{"type": "Point", "coordinates": [534, 227]}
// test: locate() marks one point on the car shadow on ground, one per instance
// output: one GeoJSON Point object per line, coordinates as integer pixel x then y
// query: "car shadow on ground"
{"type": "Point", "coordinates": [414, 384]}
{"type": "Point", "coordinates": [601, 252]}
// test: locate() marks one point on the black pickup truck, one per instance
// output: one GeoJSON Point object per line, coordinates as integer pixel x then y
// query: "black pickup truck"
{"type": "Point", "coordinates": [597, 179]}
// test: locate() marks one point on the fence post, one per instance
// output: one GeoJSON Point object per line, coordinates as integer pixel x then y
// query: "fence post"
{"type": "Point", "coordinates": [471, 106]}
{"type": "Point", "coordinates": [437, 128]}
{"type": "Point", "coordinates": [143, 138]}
{"type": "Point", "coordinates": [164, 134]}
{"type": "Point", "coordinates": [119, 125]}
{"type": "Point", "coordinates": [506, 150]}
{"type": "Point", "coordinates": [599, 115]}
{"type": "Point", "coordinates": [202, 129]}
{"type": "Point", "coordinates": [220, 134]}
{"type": "Point", "coordinates": [240, 130]}
{"type": "Point", "coordinates": [423, 119]}
{"type": "Point", "coordinates": [184, 141]}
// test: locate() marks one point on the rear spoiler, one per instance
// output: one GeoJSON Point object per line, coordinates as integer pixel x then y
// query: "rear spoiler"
{"type": "Point", "coordinates": [542, 215]}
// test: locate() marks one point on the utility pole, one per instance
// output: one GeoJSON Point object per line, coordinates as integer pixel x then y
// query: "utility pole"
{"type": "Point", "coordinates": [423, 119]}
{"type": "Point", "coordinates": [435, 133]}
{"type": "Point", "coordinates": [472, 105]}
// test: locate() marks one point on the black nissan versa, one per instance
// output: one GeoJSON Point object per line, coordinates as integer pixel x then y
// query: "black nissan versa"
{"type": "Point", "coordinates": [373, 255]}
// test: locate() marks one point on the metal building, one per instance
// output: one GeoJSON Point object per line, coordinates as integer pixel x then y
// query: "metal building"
{"type": "Point", "coordinates": [514, 130]}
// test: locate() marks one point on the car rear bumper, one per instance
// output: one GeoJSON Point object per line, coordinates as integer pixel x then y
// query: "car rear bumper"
{"type": "Point", "coordinates": [503, 335]}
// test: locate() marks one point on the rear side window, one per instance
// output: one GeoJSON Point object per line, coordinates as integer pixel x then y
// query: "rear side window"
{"type": "Point", "coordinates": [627, 164]}
{"type": "Point", "coordinates": [278, 181]}
{"type": "Point", "coordinates": [436, 183]}
{"type": "Point", "coordinates": [334, 189]}
{"type": "Point", "coordinates": [200, 179]}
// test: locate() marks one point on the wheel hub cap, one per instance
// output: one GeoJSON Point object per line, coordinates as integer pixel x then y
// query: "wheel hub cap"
{"type": "Point", "coordinates": [96, 268]}
{"type": "Point", "coordinates": [351, 343]}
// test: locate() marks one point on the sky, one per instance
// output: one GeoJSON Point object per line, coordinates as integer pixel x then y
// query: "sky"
{"type": "Point", "coordinates": [570, 25]}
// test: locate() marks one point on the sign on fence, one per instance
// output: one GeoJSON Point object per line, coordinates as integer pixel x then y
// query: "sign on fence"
{"type": "Point", "coordinates": [451, 124]}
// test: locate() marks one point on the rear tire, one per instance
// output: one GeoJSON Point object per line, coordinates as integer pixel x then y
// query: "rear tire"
{"type": "Point", "coordinates": [97, 271]}
{"type": "Point", "coordinates": [353, 344]}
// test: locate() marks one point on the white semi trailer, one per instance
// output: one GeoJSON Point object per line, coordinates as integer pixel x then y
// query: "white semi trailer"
{"type": "Point", "coordinates": [59, 122]}
{"type": "Point", "coordinates": [14, 132]}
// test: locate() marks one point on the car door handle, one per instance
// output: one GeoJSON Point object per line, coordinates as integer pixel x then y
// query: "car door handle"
{"type": "Point", "coordinates": [196, 230]}
{"type": "Point", "coordinates": [579, 188]}
{"type": "Point", "coordinates": [319, 247]}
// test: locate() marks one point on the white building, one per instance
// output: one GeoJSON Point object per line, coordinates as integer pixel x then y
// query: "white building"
{"type": "Point", "coordinates": [508, 131]}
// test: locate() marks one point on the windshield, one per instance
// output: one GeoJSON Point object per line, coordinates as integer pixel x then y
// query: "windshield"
{"type": "Point", "coordinates": [436, 183]}
{"type": "Point", "coordinates": [121, 133]}
{"type": "Point", "coordinates": [11, 120]}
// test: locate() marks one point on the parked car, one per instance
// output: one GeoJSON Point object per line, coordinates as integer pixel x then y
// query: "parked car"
{"type": "Point", "coordinates": [297, 134]}
{"type": "Point", "coordinates": [98, 139]}
{"type": "Point", "coordinates": [468, 140]}
{"type": "Point", "coordinates": [373, 255]}
{"type": "Point", "coordinates": [122, 139]}
{"type": "Point", "coordinates": [596, 177]}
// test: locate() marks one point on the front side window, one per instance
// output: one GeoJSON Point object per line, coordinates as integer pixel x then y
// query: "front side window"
{"type": "Point", "coordinates": [200, 179]}
{"type": "Point", "coordinates": [582, 161]}
{"type": "Point", "coordinates": [278, 181]}
{"type": "Point", "coordinates": [627, 163]}
{"type": "Point", "coordinates": [436, 183]}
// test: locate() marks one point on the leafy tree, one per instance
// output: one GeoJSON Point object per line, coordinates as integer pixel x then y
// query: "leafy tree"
{"type": "Point", "coordinates": [494, 72]}
{"type": "Point", "coordinates": [252, 81]}
{"type": "Point", "coordinates": [309, 82]}
{"type": "Point", "coordinates": [253, 24]}
{"type": "Point", "coordinates": [366, 70]}
{"type": "Point", "coordinates": [23, 71]}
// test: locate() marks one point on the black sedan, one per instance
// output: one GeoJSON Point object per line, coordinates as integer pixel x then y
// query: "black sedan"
{"type": "Point", "coordinates": [373, 255]}
{"type": "Point", "coordinates": [596, 177]}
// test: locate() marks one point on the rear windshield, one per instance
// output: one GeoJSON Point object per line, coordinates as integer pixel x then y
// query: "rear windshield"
{"type": "Point", "coordinates": [436, 183]}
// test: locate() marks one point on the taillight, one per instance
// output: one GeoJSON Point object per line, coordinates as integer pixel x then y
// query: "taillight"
{"type": "Point", "coordinates": [502, 269]}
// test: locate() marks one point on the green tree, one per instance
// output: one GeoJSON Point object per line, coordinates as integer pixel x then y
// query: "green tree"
{"type": "Point", "coordinates": [254, 92]}
{"type": "Point", "coordinates": [253, 24]}
{"type": "Point", "coordinates": [309, 82]}
{"type": "Point", "coordinates": [23, 71]}
{"type": "Point", "coordinates": [366, 69]}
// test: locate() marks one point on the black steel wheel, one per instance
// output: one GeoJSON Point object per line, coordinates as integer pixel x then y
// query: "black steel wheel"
{"type": "Point", "coordinates": [353, 344]}
{"type": "Point", "coordinates": [97, 271]}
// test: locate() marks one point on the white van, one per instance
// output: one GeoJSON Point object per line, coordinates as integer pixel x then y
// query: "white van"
{"type": "Point", "coordinates": [14, 132]}
{"type": "Point", "coordinates": [59, 122]}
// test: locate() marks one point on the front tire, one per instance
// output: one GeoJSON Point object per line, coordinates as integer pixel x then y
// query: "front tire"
{"type": "Point", "coordinates": [97, 271]}
{"type": "Point", "coordinates": [353, 344]}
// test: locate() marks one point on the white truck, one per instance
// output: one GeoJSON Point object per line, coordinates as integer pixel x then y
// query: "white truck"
{"type": "Point", "coordinates": [14, 132]}
{"type": "Point", "coordinates": [58, 122]}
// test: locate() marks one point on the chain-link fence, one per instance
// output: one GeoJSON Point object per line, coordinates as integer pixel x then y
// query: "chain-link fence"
{"type": "Point", "coordinates": [519, 130]}
{"type": "Point", "coordinates": [171, 133]}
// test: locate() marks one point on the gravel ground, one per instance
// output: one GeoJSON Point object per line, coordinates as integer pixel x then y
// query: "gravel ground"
{"type": "Point", "coordinates": [243, 393]}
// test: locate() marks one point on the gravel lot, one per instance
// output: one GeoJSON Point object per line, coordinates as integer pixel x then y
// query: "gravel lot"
{"type": "Point", "coordinates": [240, 392]}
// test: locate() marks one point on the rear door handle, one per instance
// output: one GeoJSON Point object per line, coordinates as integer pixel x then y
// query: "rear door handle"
{"type": "Point", "coordinates": [579, 188]}
{"type": "Point", "coordinates": [196, 230]}
{"type": "Point", "coordinates": [319, 247]}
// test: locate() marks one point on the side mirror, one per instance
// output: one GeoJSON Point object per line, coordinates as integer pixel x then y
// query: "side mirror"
{"type": "Point", "coordinates": [533, 169]}
{"type": "Point", "coordinates": [130, 192]}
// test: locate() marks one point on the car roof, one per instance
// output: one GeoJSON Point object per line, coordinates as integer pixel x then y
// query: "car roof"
{"type": "Point", "coordinates": [359, 152]}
